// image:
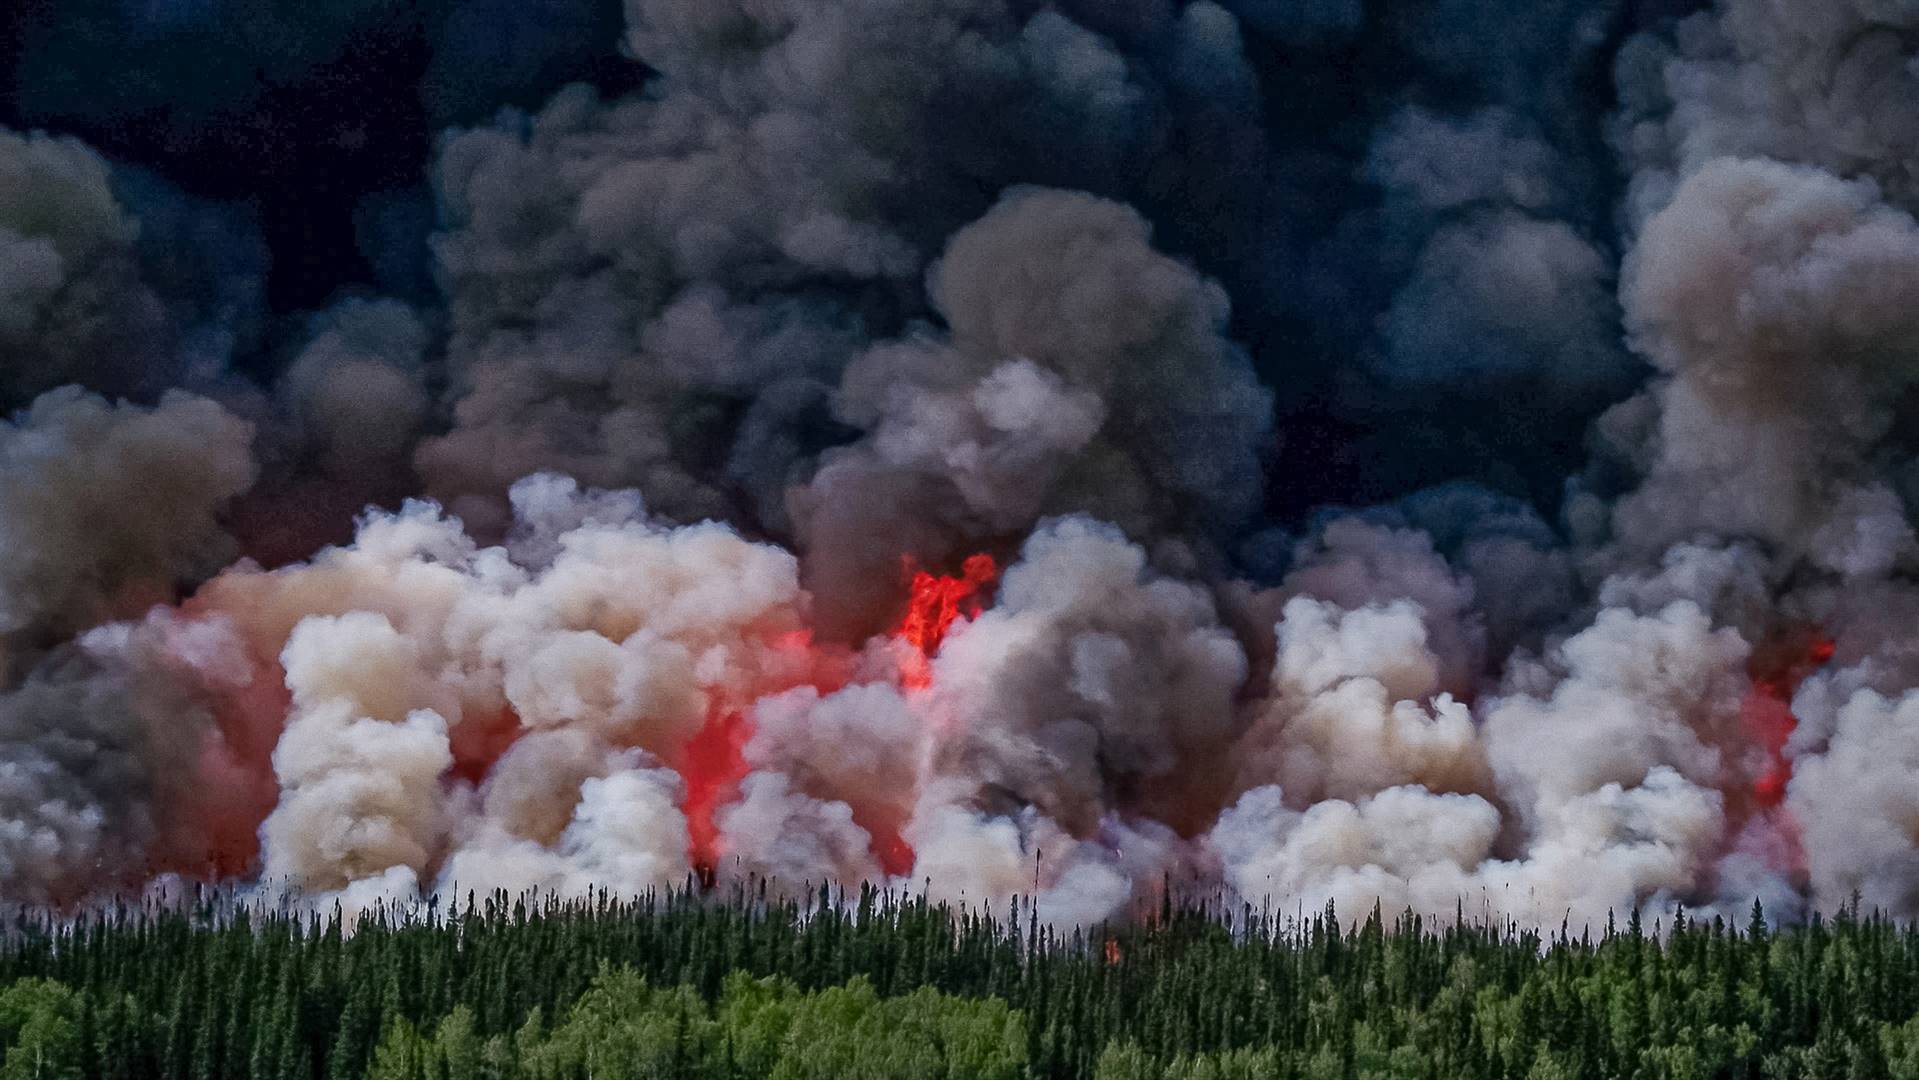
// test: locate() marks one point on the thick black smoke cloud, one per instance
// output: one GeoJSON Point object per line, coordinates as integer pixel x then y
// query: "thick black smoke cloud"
{"type": "Point", "coordinates": [1318, 157]}
{"type": "Point", "coordinates": [1436, 450]}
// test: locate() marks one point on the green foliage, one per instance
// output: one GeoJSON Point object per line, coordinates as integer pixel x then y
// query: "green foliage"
{"type": "Point", "coordinates": [40, 1021]}
{"type": "Point", "coordinates": [686, 985]}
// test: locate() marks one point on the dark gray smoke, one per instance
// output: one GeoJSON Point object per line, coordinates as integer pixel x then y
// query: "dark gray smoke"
{"type": "Point", "coordinates": [111, 279]}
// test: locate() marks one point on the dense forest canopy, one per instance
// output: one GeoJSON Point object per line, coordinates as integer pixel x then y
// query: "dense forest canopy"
{"type": "Point", "coordinates": [887, 986]}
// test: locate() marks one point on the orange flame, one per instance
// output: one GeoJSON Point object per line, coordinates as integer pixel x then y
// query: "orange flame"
{"type": "Point", "coordinates": [714, 765]}
{"type": "Point", "coordinates": [890, 848]}
{"type": "Point", "coordinates": [934, 604]}
{"type": "Point", "coordinates": [212, 832]}
{"type": "Point", "coordinates": [1766, 712]}
{"type": "Point", "coordinates": [479, 741]}
{"type": "Point", "coordinates": [1113, 954]}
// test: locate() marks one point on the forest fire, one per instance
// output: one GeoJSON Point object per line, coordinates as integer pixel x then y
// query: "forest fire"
{"type": "Point", "coordinates": [1777, 669]}
{"type": "Point", "coordinates": [933, 605]}
{"type": "Point", "coordinates": [479, 742]}
{"type": "Point", "coordinates": [714, 765]}
{"type": "Point", "coordinates": [792, 486]}
{"type": "Point", "coordinates": [714, 761]}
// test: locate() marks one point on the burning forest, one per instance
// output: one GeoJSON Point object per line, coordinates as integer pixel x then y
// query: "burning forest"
{"type": "Point", "coordinates": [1360, 452]}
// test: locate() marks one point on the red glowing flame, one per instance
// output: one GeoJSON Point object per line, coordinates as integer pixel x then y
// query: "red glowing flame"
{"type": "Point", "coordinates": [1113, 954]}
{"type": "Point", "coordinates": [934, 604]}
{"type": "Point", "coordinates": [890, 848]}
{"type": "Point", "coordinates": [211, 829]}
{"type": "Point", "coordinates": [1777, 671]}
{"type": "Point", "coordinates": [714, 765]}
{"type": "Point", "coordinates": [480, 740]}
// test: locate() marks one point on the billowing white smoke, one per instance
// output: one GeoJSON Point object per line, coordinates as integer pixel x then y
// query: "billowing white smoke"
{"type": "Point", "coordinates": [1771, 285]}
{"type": "Point", "coordinates": [1775, 300]}
{"type": "Point", "coordinates": [1357, 707]}
{"type": "Point", "coordinates": [862, 747]}
{"type": "Point", "coordinates": [1591, 784]}
{"type": "Point", "coordinates": [526, 716]}
{"type": "Point", "coordinates": [359, 766]}
{"type": "Point", "coordinates": [1858, 805]}
{"type": "Point", "coordinates": [625, 835]}
{"type": "Point", "coordinates": [1094, 686]}
{"type": "Point", "coordinates": [607, 642]}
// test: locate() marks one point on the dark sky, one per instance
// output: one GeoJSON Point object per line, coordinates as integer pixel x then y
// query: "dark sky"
{"type": "Point", "coordinates": [323, 126]}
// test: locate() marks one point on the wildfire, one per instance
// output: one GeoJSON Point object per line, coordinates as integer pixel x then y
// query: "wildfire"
{"type": "Point", "coordinates": [480, 740]}
{"type": "Point", "coordinates": [714, 765]}
{"type": "Point", "coordinates": [933, 605]}
{"type": "Point", "coordinates": [713, 762]}
{"type": "Point", "coordinates": [1777, 670]}
{"type": "Point", "coordinates": [889, 847]}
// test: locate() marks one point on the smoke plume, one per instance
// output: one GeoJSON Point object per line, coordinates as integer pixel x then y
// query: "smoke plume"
{"type": "Point", "coordinates": [1351, 452]}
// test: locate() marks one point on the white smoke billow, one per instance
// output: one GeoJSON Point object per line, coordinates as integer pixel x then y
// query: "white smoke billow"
{"type": "Point", "coordinates": [813, 484]}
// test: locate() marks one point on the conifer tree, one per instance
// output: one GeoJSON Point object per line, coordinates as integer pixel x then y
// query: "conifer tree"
{"type": "Point", "coordinates": [353, 1045]}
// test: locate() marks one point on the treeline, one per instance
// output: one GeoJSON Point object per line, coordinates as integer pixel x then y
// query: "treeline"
{"type": "Point", "coordinates": [684, 985]}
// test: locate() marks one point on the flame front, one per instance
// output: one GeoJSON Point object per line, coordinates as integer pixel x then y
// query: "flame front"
{"type": "Point", "coordinates": [714, 765]}
{"type": "Point", "coordinates": [1766, 712]}
{"type": "Point", "coordinates": [1767, 719]}
{"type": "Point", "coordinates": [933, 605]}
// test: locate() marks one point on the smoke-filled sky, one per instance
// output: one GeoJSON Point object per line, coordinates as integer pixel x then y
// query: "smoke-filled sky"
{"type": "Point", "coordinates": [1433, 453]}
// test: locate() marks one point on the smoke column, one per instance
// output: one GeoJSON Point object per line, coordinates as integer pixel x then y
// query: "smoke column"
{"type": "Point", "coordinates": [988, 448]}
